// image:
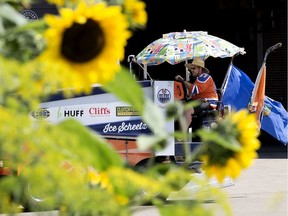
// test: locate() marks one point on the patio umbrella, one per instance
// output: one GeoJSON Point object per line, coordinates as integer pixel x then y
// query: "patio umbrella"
{"type": "Point", "coordinates": [177, 47]}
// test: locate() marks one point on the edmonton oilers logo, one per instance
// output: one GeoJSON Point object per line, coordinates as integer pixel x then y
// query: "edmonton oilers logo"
{"type": "Point", "coordinates": [164, 95]}
{"type": "Point", "coordinates": [40, 113]}
{"type": "Point", "coordinates": [29, 15]}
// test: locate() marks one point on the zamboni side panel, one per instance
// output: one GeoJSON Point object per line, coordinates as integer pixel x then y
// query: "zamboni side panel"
{"type": "Point", "coordinates": [101, 111]}
{"type": "Point", "coordinates": [163, 96]}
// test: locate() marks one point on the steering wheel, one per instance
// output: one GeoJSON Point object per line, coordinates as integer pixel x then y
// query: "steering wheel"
{"type": "Point", "coordinates": [182, 89]}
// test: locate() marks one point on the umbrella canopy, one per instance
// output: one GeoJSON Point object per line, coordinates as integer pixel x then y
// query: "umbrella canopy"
{"type": "Point", "coordinates": [177, 47]}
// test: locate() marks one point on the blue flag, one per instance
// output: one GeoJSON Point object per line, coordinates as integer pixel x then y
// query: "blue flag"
{"type": "Point", "coordinates": [237, 91]}
{"type": "Point", "coordinates": [275, 120]}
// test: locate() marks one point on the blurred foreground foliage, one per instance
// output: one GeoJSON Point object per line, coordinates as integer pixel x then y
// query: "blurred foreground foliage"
{"type": "Point", "coordinates": [66, 166]}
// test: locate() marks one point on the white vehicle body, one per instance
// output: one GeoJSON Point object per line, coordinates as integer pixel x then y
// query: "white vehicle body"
{"type": "Point", "coordinates": [115, 120]}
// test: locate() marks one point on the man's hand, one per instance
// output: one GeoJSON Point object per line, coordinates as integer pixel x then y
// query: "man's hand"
{"type": "Point", "coordinates": [178, 77]}
{"type": "Point", "coordinates": [189, 66]}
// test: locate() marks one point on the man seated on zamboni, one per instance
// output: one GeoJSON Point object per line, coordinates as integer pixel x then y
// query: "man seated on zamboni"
{"type": "Point", "coordinates": [202, 89]}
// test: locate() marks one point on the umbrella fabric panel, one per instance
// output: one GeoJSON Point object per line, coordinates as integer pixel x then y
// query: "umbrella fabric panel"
{"type": "Point", "coordinates": [177, 47]}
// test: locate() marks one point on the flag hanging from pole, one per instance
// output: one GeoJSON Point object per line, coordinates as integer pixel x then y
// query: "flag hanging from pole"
{"type": "Point", "coordinates": [256, 104]}
{"type": "Point", "coordinates": [237, 89]}
{"type": "Point", "coordinates": [275, 120]}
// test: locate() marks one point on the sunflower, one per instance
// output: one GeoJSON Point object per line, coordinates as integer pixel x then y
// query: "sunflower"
{"type": "Point", "coordinates": [98, 179]}
{"type": "Point", "coordinates": [61, 3]}
{"type": "Point", "coordinates": [135, 12]}
{"type": "Point", "coordinates": [57, 2]}
{"type": "Point", "coordinates": [101, 179]}
{"type": "Point", "coordinates": [85, 45]}
{"type": "Point", "coordinates": [234, 150]}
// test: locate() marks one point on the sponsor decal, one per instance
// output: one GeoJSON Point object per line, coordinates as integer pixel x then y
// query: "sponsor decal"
{"type": "Point", "coordinates": [67, 113]}
{"type": "Point", "coordinates": [164, 96]}
{"type": "Point", "coordinates": [29, 15]}
{"type": "Point", "coordinates": [127, 111]}
{"type": "Point", "coordinates": [124, 127]}
{"type": "Point", "coordinates": [99, 111]}
{"type": "Point", "coordinates": [41, 113]}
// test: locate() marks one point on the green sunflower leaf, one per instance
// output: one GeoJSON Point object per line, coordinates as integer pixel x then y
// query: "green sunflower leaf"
{"type": "Point", "coordinates": [145, 142]}
{"type": "Point", "coordinates": [154, 118]}
{"type": "Point", "coordinates": [214, 137]}
{"type": "Point", "coordinates": [94, 150]}
{"type": "Point", "coordinates": [126, 89]}
{"type": "Point", "coordinates": [9, 18]}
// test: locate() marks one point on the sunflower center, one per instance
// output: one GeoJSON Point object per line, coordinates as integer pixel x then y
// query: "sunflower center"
{"type": "Point", "coordinates": [82, 42]}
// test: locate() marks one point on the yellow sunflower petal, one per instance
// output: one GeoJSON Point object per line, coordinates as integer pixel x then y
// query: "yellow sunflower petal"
{"type": "Point", "coordinates": [93, 177]}
{"type": "Point", "coordinates": [215, 170]}
{"type": "Point", "coordinates": [123, 200]}
{"type": "Point", "coordinates": [98, 66]}
{"type": "Point", "coordinates": [135, 10]}
{"type": "Point", "coordinates": [233, 168]}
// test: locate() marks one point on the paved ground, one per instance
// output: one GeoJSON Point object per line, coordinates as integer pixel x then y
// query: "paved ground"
{"type": "Point", "coordinates": [261, 190]}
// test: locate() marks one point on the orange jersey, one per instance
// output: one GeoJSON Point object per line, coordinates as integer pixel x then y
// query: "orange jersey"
{"type": "Point", "coordinates": [203, 88]}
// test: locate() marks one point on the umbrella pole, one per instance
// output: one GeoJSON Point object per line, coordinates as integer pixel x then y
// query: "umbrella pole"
{"type": "Point", "coordinates": [187, 71]}
{"type": "Point", "coordinates": [145, 71]}
{"type": "Point", "coordinates": [131, 59]}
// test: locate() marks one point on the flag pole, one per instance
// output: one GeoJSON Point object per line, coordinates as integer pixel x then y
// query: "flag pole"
{"type": "Point", "coordinates": [256, 104]}
{"type": "Point", "coordinates": [228, 72]}
{"type": "Point", "coordinates": [270, 49]}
